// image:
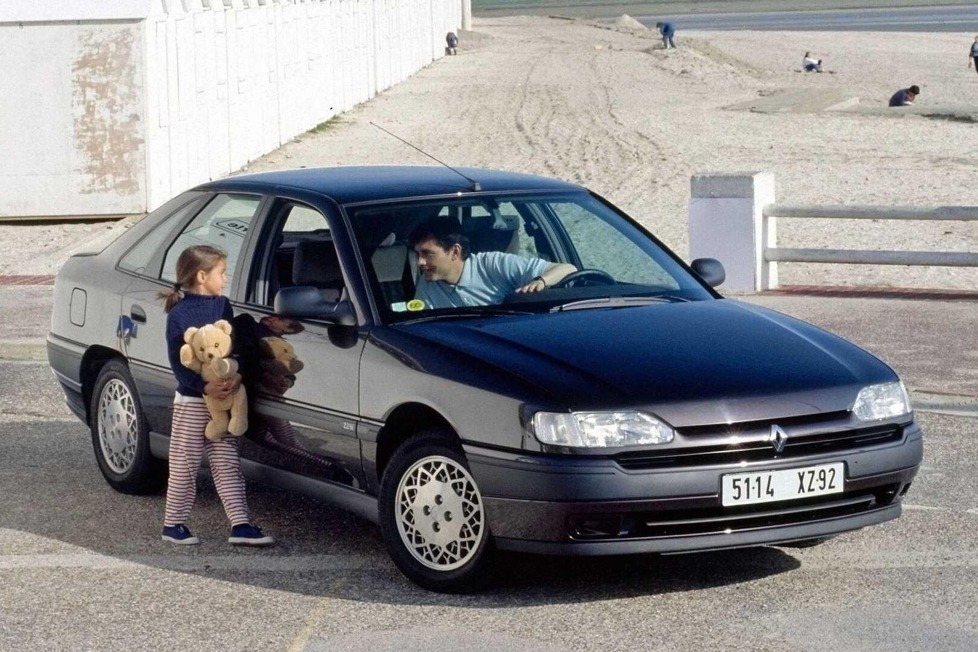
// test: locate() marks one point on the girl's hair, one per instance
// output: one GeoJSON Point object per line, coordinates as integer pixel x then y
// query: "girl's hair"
{"type": "Point", "coordinates": [192, 260]}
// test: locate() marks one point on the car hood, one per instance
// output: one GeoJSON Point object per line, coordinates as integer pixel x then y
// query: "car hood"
{"type": "Point", "coordinates": [697, 363]}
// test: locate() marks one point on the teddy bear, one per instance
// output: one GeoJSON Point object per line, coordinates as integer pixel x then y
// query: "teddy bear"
{"type": "Point", "coordinates": [205, 352]}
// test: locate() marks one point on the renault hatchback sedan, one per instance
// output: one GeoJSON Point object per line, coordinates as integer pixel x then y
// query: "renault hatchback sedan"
{"type": "Point", "coordinates": [628, 408]}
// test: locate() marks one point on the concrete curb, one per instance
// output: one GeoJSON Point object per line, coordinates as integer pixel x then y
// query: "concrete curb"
{"type": "Point", "coordinates": [23, 351]}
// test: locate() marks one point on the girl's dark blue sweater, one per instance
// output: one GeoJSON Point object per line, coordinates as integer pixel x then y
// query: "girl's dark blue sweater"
{"type": "Point", "coordinates": [192, 310]}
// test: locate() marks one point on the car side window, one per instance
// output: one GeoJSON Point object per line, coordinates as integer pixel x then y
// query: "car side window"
{"type": "Point", "coordinates": [300, 251]}
{"type": "Point", "coordinates": [224, 222]}
{"type": "Point", "coordinates": [141, 256]}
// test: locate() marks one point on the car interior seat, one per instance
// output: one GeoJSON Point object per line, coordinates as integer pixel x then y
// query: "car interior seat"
{"type": "Point", "coordinates": [317, 264]}
{"type": "Point", "coordinates": [390, 261]}
{"type": "Point", "coordinates": [492, 233]}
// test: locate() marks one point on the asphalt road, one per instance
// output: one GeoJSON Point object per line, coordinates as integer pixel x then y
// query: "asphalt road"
{"type": "Point", "coordinates": [822, 15]}
{"type": "Point", "coordinates": [907, 19]}
{"type": "Point", "coordinates": [82, 567]}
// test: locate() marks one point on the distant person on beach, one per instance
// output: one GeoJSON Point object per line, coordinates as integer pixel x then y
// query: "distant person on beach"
{"type": "Point", "coordinates": [811, 64]}
{"type": "Point", "coordinates": [973, 56]}
{"type": "Point", "coordinates": [452, 43]}
{"type": "Point", "coordinates": [905, 96]}
{"type": "Point", "coordinates": [667, 31]}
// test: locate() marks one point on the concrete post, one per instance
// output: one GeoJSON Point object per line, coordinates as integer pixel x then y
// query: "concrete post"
{"type": "Point", "coordinates": [726, 222]}
{"type": "Point", "coordinates": [467, 14]}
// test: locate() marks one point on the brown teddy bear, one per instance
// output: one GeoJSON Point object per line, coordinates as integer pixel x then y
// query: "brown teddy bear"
{"type": "Point", "coordinates": [206, 353]}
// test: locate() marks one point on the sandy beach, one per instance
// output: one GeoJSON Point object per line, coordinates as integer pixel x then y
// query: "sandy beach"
{"type": "Point", "coordinates": [608, 108]}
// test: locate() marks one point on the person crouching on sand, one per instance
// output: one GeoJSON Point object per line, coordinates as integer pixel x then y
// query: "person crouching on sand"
{"type": "Point", "coordinates": [811, 64]}
{"type": "Point", "coordinates": [905, 96]}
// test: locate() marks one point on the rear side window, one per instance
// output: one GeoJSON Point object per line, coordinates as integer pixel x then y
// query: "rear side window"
{"type": "Point", "coordinates": [144, 258]}
{"type": "Point", "coordinates": [223, 223]}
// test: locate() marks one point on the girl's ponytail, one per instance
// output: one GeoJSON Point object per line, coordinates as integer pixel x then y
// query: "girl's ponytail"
{"type": "Point", "coordinates": [169, 297]}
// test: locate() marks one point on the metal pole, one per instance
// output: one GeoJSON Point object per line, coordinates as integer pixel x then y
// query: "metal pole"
{"type": "Point", "coordinates": [467, 14]}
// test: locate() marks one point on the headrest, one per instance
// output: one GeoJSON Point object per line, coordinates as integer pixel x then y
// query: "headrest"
{"type": "Point", "coordinates": [389, 262]}
{"type": "Point", "coordinates": [316, 264]}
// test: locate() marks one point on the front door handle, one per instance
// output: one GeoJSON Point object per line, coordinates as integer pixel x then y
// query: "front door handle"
{"type": "Point", "coordinates": [138, 314]}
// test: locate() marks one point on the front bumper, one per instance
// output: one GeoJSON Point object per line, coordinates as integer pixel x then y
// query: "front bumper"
{"type": "Point", "coordinates": [563, 505]}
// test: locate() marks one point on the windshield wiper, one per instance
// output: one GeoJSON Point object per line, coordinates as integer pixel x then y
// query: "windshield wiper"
{"type": "Point", "coordinates": [467, 312]}
{"type": "Point", "coordinates": [617, 302]}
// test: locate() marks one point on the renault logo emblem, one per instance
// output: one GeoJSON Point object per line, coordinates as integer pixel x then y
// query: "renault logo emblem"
{"type": "Point", "coordinates": [778, 438]}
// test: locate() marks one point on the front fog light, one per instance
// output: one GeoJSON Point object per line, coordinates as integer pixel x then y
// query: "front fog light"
{"type": "Point", "coordinates": [600, 429]}
{"type": "Point", "coordinates": [881, 402]}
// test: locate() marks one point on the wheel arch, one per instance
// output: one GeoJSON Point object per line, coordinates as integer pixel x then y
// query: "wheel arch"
{"type": "Point", "coordinates": [404, 422]}
{"type": "Point", "coordinates": [92, 362]}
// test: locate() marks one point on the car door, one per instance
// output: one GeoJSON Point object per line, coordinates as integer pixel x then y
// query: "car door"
{"type": "Point", "coordinates": [222, 220]}
{"type": "Point", "coordinates": [308, 415]}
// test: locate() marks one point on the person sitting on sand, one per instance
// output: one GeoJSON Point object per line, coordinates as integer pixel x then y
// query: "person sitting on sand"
{"type": "Point", "coordinates": [905, 96]}
{"type": "Point", "coordinates": [811, 64]}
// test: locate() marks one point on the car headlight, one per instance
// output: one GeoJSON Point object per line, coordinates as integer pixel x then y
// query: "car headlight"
{"type": "Point", "coordinates": [883, 401]}
{"type": "Point", "coordinates": [600, 429]}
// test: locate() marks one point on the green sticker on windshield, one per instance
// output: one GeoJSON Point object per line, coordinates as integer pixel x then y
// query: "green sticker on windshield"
{"type": "Point", "coordinates": [415, 304]}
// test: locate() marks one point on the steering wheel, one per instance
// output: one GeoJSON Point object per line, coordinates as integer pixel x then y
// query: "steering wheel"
{"type": "Point", "coordinates": [597, 275]}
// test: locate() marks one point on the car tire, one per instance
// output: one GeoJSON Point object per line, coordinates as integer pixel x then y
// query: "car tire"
{"type": "Point", "coordinates": [432, 515]}
{"type": "Point", "coordinates": [120, 435]}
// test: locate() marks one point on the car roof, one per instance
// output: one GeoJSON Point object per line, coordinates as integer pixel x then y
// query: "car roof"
{"type": "Point", "coordinates": [355, 184]}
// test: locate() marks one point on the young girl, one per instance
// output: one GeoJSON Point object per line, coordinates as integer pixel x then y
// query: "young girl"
{"type": "Point", "coordinates": [201, 274]}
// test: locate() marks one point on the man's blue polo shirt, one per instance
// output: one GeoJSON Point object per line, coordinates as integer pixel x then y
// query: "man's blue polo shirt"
{"type": "Point", "coordinates": [486, 279]}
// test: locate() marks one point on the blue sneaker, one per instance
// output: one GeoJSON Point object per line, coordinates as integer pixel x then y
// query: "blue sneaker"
{"type": "Point", "coordinates": [180, 535]}
{"type": "Point", "coordinates": [248, 535]}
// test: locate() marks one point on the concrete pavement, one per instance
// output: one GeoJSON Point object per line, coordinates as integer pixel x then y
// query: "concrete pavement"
{"type": "Point", "coordinates": [932, 344]}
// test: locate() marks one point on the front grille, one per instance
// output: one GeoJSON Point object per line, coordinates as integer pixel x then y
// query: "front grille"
{"type": "Point", "coordinates": [756, 448]}
{"type": "Point", "coordinates": [716, 520]}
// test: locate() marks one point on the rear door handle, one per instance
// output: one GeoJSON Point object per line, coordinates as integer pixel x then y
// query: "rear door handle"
{"type": "Point", "coordinates": [138, 314]}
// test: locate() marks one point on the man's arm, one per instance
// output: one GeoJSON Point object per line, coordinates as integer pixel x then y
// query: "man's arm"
{"type": "Point", "coordinates": [554, 273]}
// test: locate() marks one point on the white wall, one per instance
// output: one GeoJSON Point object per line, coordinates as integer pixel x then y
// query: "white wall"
{"type": "Point", "coordinates": [118, 112]}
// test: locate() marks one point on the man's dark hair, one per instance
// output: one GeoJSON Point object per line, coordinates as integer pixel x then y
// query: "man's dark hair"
{"type": "Point", "coordinates": [443, 230]}
{"type": "Point", "coordinates": [914, 89]}
{"type": "Point", "coordinates": [658, 24]}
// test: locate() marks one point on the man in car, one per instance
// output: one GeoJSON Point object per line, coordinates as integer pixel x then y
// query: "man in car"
{"type": "Point", "coordinates": [451, 277]}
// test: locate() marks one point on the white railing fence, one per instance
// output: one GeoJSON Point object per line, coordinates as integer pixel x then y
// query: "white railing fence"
{"type": "Point", "coordinates": [733, 218]}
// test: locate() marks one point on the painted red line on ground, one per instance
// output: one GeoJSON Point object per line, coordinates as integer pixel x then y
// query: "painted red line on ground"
{"type": "Point", "coordinates": [21, 279]}
{"type": "Point", "coordinates": [875, 293]}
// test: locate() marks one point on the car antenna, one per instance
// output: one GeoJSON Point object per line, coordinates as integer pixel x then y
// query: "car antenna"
{"type": "Point", "coordinates": [475, 184]}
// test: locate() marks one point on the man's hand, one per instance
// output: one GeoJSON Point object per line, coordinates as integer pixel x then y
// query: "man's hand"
{"type": "Point", "coordinates": [534, 285]}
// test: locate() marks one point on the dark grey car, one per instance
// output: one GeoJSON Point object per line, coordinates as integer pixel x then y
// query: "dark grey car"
{"type": "Point", "coordinates": [627, 409]}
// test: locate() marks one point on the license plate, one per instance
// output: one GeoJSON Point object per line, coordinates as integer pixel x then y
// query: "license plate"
{"type": "Point", "coordinates": [786, 484]}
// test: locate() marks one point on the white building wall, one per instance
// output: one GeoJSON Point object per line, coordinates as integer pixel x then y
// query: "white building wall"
{"type": "Point", "coordinates": [114, 106]}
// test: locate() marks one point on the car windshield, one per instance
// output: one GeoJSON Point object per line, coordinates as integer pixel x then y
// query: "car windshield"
{"type": "Point", "coordinates": [513, 254]}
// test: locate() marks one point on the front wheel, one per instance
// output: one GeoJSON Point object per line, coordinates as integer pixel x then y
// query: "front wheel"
{"type": "Point", "coordinates": [120, 435]}
{"type": "Point", "coordinates": [432, 516]}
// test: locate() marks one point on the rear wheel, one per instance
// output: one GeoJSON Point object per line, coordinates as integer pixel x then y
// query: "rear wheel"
{"type": "Point", "coordinates": [120, 436]}
{"type": "Point", "coordinates": [432, 515]}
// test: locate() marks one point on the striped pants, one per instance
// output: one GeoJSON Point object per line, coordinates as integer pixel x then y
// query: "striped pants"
{"type": "Point", "coordinates": [187, 445]}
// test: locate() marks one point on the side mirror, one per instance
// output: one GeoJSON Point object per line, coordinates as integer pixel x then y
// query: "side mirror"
{"type": "Point", "coordinates": [303, 301]}
{"type": "Point", "coordinates": [710, 270]}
